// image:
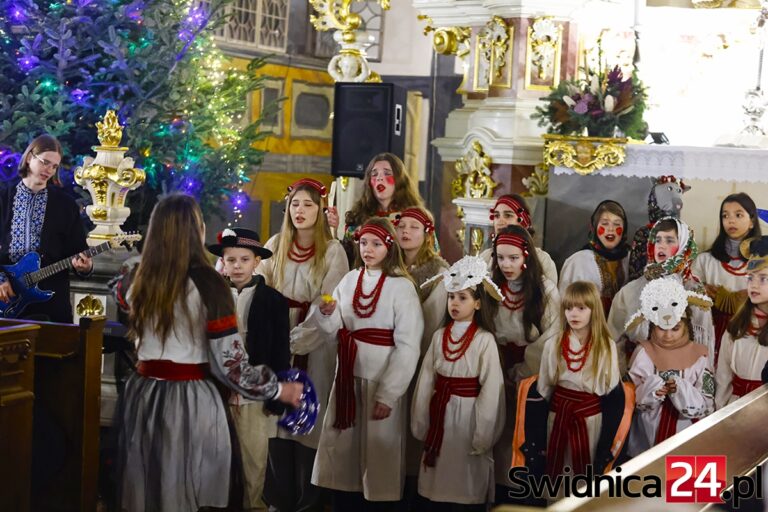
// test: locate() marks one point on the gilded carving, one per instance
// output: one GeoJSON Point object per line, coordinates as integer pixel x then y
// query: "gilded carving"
{"type": "Point", "coordinates": [584, 155]}
{"type": "Point", "coordinates": [90, 306]}
{"type": "Point", "coordinates": [543, 51]}
{"type": "Point", "coordinates": [493, 50]}
{"type": "Point", "coordinates": [474, 174]}
{"type": "Point", "coordinates": [538, 182]}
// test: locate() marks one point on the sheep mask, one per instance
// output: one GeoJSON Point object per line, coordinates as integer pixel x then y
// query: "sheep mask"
{"type": "Point", "coordinates": [663, 302]}
{"type": "Point", "coordinates": [468, 272]}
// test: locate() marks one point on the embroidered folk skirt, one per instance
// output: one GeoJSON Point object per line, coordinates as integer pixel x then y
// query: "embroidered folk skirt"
{"type": "Point", "coordinates": [175, 446]}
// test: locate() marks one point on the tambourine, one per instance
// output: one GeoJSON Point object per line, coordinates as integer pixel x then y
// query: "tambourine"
{"type": "Point", "coordinates": [301, 420]}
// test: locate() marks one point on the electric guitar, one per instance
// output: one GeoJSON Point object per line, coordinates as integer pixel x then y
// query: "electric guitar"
{"type": "Point", "coordinates": [26, 273]}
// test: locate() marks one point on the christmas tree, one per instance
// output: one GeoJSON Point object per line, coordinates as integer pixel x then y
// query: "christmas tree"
{"type": "Point", "coordinates": [64, 63]}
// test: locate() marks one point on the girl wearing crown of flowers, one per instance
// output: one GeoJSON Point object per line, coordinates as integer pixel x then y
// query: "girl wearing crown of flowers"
{"type": "Point", "coordinates": [604, 260]}
{"type": "Point", "coordinates": [458, 405]}
{"type": "Point", "coordinates": [744, 350]}
{"type": "Point", "coordinates": [513, 210]}
{"type": "Point", "coordinates": [578, 368]}
{"type": "Point", "coordinates": [307, 264]}
{"type": "Point", "coordinates": [671, 251]}
{"type": "Point", "coordinates": [527, 318]}
{"type": "Point", "coordinates": [722, 269]}
{"type": "Point", "coordinates": [387, 190]}
{"type": "Point", "coordinates": [377, 314]}
{"type": "Point", "coordinates": [674, 379]}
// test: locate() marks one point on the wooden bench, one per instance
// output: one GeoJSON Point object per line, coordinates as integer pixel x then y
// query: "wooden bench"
{"type": "Point", "coordinates": [67, 387]}
{"type": "Point", "coordinates": [17, 345]}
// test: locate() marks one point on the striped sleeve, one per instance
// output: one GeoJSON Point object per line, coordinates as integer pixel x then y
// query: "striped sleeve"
{"type": "Point", "coordinates": [229, 362]}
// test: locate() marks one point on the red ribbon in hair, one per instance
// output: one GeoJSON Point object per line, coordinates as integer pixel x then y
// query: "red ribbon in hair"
{"type": "Point", "coordinates": [310, 183]}
{"type": "Point", "coordinates": [522, 215]}
{"type": "Point", "coordinates": [374, 229]}
{"type": "Point", "coordinates": [516, 240]}
{"type": "Point", "coordinates": [417, 214]}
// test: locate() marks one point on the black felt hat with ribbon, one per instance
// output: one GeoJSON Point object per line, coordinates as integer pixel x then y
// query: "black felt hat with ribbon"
{"type": "Point", "coordinates": [239, 237]}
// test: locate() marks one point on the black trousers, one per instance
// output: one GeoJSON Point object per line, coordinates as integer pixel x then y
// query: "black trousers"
{"type": "Point", "coordinates": [287, 486]}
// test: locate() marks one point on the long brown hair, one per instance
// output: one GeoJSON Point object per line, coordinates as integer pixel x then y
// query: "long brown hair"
{"type": "Point", "coordinates": [483, 317]}
{"type": "Point", "coordinates": [740, 323]}
{"type": "Point", "coordinates": [427, 250]}
{"type": "Point", "coordinates": [534, 296]}
{"type": "Point", "coordinates": [585, 294]}
{"type": "Point", "coordinates": [173, 246]}
{"type": "Point", "coordinates": [40, 144]}
{"type": "Point", "coordinates": [393, 264]}
{"type": "Point", "coordinates": [321, 237]}
{"type": "Point", "coordinates": [406, 194]}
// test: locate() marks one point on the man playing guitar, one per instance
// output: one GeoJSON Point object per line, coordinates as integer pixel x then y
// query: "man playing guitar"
{"type": "Point", "coordinates": [38, 216]}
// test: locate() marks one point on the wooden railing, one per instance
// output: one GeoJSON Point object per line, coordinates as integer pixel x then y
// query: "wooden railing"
{"type": "Point", "coordinates": [67, 385]}
{"type": "Point", "coordinates": [17, 345]}
{"type": "Point", "coordinates": [738, 431]}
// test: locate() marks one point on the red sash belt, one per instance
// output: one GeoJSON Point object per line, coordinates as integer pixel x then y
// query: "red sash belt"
{"type": "Point", "coordinates": [345, 379]}
{"type": "Point", "coordinates": [168, 370]}
{"type": "Point", "coordinates": [667, 422]}
{"type": "Point", "coordinates": [571, 409]}
{"type": "Point", "coordinates": [300, 361]}
{"type": "Point", "coordinates": [743, 386]}
{"type": "Point", "coordinates": [444, 388]}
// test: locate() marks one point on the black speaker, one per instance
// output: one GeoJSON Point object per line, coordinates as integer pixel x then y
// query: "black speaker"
{"type": "Point", "coordinates": [367, 119]}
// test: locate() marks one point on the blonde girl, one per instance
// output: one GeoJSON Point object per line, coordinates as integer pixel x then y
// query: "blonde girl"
{"type": "Point", "coordinates": [306, 264]}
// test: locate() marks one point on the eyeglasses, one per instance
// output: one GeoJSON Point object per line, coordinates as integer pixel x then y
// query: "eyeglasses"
{"type": "Point", "coordinates": [46, 163]}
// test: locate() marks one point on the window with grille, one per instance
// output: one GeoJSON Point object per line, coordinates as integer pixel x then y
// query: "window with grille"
{"type": "Point", "coordinates": [256, 24]}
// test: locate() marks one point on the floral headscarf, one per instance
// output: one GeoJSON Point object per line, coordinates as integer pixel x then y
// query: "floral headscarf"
{"type": "Point", "coordinates": [681, 261]}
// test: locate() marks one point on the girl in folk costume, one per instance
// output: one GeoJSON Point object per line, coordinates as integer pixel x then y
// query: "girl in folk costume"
{"type": "Point", "coordinates": [722, 269]}
{"type": "Point", "coordinates": [262, 314]}
{"type": "Point", "coordinates": [307, 263]}
{"type": "Point", "coordinates": [415, 229]}
{"type": "Point", "coordinates": [377, 314]}
{"type": "Point", "coordinates": [674, 380]}
{"type": "Point", "coordinates": [578, 369]}
{"type": "Point", "coordinates": [604, 259]}
{"type": "Point", "coordinates": [458, 406]}
{"type": "Point", "coordinates": [388, 190]}
{"type": "Point", "coordinates": [527, 318]}
{"type": "Point", "coordinates": [744, 350]}
{"type": "Point", "coordinates": [174, 437]}
{"type": "Point", "coordinates": [512, 210]}
{"type": "Point", "coordinates": [671, 251]}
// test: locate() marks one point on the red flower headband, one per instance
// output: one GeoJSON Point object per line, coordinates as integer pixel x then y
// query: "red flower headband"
{"type": "Point", "coordinates": [516, 240]}
{"type": "Point", "coordinates": [417, 214]}
{"type": "Point", "coordinates": [378, 231]}
{"type": "Point", "coordinates": [522, 215]}
{"type": "Point", "coordinates": [311, 183]}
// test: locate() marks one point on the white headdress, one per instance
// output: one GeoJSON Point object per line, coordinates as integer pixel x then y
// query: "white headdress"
{"type": "Point", "coordinates": [663, 302]}
{"type": "Point", "coordinates": [468, 272]}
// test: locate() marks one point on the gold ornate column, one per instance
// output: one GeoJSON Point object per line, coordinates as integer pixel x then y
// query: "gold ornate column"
{"type": "Point", "coordinates": [350, 65]}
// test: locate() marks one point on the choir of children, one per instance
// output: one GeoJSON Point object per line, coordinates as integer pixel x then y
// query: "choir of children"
{"type": "Point", "coordinates": [471, 367]}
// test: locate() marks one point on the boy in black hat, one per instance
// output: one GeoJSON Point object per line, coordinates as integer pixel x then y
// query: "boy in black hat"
{"type": "Point", "coordinates": [263, 322]}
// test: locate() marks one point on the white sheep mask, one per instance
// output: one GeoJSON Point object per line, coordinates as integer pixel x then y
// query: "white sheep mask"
{"type": "Point", "coordinates": [468, 272]}
{"type": "Point", "coordinates": [663, 302]}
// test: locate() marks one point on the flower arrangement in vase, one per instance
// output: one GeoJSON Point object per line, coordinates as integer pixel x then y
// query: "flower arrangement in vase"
{"type": "Point", "coordinates": [598, 105]}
